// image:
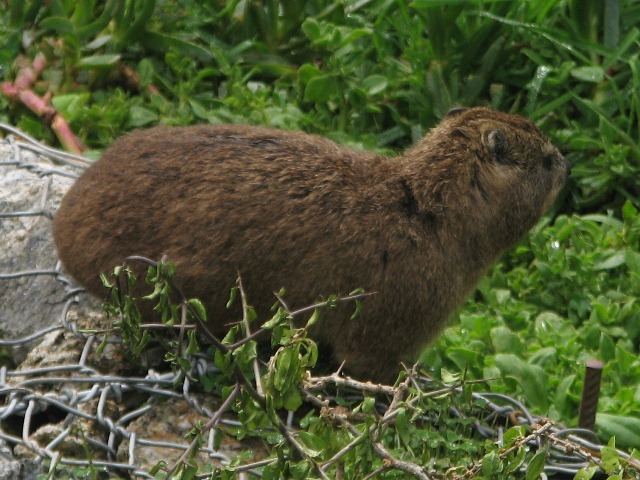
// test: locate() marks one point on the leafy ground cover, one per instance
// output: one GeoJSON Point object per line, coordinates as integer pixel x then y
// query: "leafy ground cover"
{"type": "Point", "coordinates": [377, 74]}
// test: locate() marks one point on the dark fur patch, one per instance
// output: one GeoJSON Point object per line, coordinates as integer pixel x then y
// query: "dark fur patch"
{"type": "Point", "coordinates": [410, 204]}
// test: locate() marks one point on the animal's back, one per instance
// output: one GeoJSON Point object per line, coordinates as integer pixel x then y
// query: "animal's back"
{"type": "Point", "coordinates": [277, 207]}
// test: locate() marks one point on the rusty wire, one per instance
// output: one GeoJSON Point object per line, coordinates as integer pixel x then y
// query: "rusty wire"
{"type": "Point", "coordinates": [80, 392]}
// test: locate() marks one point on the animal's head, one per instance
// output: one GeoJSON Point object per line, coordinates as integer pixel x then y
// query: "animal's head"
{"type": "Point", "coordinates": [497, 168]}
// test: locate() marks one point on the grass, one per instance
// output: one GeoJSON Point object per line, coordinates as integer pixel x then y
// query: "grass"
{"type": "Point", "coordinates": [377, 74]}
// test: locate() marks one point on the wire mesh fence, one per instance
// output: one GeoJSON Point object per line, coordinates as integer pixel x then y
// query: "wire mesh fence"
{"type": "Point", "coordinates": [56, 384]}
{"type": "Point", "coordinates": [63, 403]}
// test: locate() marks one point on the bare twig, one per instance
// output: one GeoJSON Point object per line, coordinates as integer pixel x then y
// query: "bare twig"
{"type": "Point", "coordinates": [245, 321]}
{"type": "Point", "coordinates": [376, 472]}
{"type": "Point", "coordinates": [278, 423]}
{"type": "Point", "coordinates": [326, 303]}
{"type": "Point", "coordinates": [399, 396]}
{"type": "Point", "coordinates": [389, 460]}
{"type": "Point", "coordinates": [255, 335]}
{"type": "Point", "coordinates": [407, 467]}
{"type": "Point", "coordinates": [320, 383]}
{"type": "Point", "coordinates": [210, 424]}
{"type": "Point", "coordinates": [538, 431]}
{"type": "Point", "coordinates": [345, 450]}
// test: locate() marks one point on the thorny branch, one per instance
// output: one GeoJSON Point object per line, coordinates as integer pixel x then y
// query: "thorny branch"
{"type": "Point", "coordinates": [212, 423]}
{"type": "Point", "coordinates": [313, 392]}
{"type": "Point", "coordinates": [247, 329]}
{"type": "Point", "coordinates": [326, 303]}
{"type": "Point", "coordinates": [538, 431]}
{"type": "Point", "coordinates": [388, 460]}
{"type": "Point", "coordinates": [241, 381]}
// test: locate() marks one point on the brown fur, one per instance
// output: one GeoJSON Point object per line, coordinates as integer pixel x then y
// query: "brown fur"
{"type": "Point", "coordinates": [295, 210]}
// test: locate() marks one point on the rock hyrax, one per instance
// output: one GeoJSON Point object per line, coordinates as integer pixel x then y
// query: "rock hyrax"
{"type": "Point", "coordinates": [287, 209]}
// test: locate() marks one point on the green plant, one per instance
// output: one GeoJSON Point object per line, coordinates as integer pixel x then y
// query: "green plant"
{"type": "Point", "coordinates": [400, 431]}
{"type": "Point", "coordinates": [574, 282]}
{"type": "Point", "coordinates": [376, 74]}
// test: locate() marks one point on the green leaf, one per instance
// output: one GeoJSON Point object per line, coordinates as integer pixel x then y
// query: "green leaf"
{"type": "Point", "coordinates": [375, 84]}
{"type": "Point", "coordinates": [491, 465]}
{"type": "Point", "coordinates": [632, 260]}
{"type": "Point", "coordinates": [98, 42]}
{"type": "Point", "coordinates": [505, 341]}
{"type": "Point", "coordinates": [145, 71]}
{"type": "Point", "coordinates": [232, 297]}
{"type": "Point", "coordinates": [563, 397]}
{"type": "Point", "coordinates": [59, 24]}
{"type": "Point", "coordinates": [357, 310]}
{"type": "Point", "coordinates": [531, 378]}
{"type": "Point", "coordinates": [614, 261]}
{"type": "Point", "coordinates": [71, 104]}
{"type": "Point", "coordinates": [286, 361]}
{"type": "Point", "coordinates": [536, 465]}
{"type": "Point", "coordinates": [403, 426]}
{"type": "Point", "coordinates": [277, 319]}
{"type": "Point", "coordinates": [450, 377]}
{"type": "Point", "coordinates": [140, 116]}
{"type": "Point", "coordinates": [311, 29]}
{"type": "Point", "coordinates": [163, 43]}
{"type": "Point", "coordinates": [321, 89]}
{"type": "Point", "coordinates": [629, 211]}
{"type": "Point", "coordinates": [462, 357]}
{"type": "Point", "coordinates": [610, 458]}
{"type": "Point", "coordinates": [391, 135]}
{"type": "Point", "coordinates": [607, 347]}
{"type": "Point", "coordinates": [199, 110]}
{"type": "Point", "coordinates": [586, 473]}
{"type": "Point", "coordinates": [513, 434]}
{"type": "Point", "coordinates": [315, 316]}
{"type": "Point", "coordinates": [515, 462]}
{"type": "Point", "coordinates": [292, 399]}
{"type": "Point", "coordinates": [314, 444]}
{"type": "Point", "coordinates": [246, 353]}
{"type": "Point", "coordinates": [368, 405]}
{"type": "Point", "coordinates": [89, 29]}
{"type": "Point", "coordinates": [299, 470]}
{"type": "Point", "coordinates": [98, 61]}
{"type": "Point", "coordinates": [192, 347]}
{"type": "Point", "coordinates": [198, 307]}
{"type": "Point", "coordinates": [594, 74]}
{"type": "Point", "coordinates": [625, 429]}
{"type": "Point", "coordinates": [106, 282]}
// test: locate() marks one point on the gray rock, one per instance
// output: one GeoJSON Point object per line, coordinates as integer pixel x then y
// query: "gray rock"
{"type": "Point", "coordinates": [32, 293]}
{"type": "Point", "coordinates": [19, 469]}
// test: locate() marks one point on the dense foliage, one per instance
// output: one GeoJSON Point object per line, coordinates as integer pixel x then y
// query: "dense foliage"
{"type": "Point", "coordinates": [377, 74]}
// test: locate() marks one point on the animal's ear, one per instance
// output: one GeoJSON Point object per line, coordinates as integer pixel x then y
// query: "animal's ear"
{"type": "Point", "coordinates": [496, 143]}
{"type": "Point", "coordinates": [454, 112]}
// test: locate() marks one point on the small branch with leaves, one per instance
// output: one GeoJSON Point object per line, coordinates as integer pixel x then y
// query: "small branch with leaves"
{"type": "Point", "coordinates": [347, 428]}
